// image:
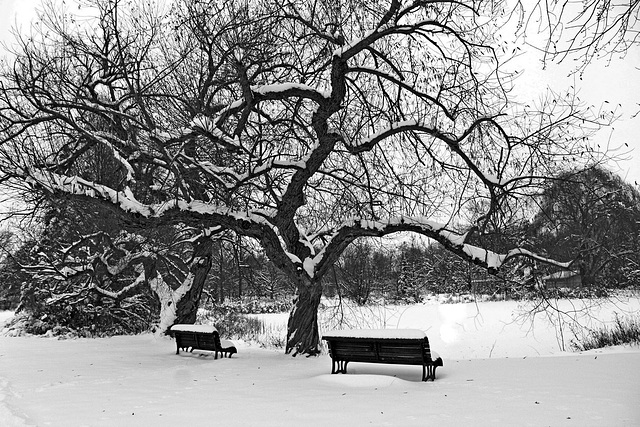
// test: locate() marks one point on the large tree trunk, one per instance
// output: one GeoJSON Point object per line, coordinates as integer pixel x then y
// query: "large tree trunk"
{"type": "Point", "coordinates": [181, 305]}
{"type": "Point", "coordinates": [302, 330]}
{"type": "Point", "coordinates": [188, 303]}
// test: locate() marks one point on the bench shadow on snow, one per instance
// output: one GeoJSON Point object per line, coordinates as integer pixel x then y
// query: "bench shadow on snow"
{"type": "Point", "coordinates": [378, 375]}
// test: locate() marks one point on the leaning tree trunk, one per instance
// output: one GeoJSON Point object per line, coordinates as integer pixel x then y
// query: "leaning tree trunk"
{"type": "Point", "coordinates": [188, 303]}
{"type": "Point", "coordinates": [181, 305]}
{"type": "Point", "coordinates": [302, 330]}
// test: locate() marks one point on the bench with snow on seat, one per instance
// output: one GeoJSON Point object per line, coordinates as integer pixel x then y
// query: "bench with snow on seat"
{"type": "Point", "coordinates": [392, 346]}
{"type": "Point", "coordinates": [201, 337]}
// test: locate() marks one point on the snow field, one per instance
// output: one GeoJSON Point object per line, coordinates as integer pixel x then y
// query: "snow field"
{"type": "Point", "coordinates": [139, 381]}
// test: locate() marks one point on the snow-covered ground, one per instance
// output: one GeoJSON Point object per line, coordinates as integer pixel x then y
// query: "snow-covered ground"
{"type": "Point", "coordinates": [497, 371]}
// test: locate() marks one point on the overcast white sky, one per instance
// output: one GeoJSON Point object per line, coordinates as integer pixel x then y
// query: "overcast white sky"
{"type": "Point", "coordinates": [617, 83]}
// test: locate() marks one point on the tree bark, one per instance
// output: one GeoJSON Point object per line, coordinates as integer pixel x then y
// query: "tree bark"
{"type": "Point", "coordinates": [181, 305]}
{"type": "Point", "coordinates": [188, 303]}
{"type": "Point", "coordinates": [303, 336]}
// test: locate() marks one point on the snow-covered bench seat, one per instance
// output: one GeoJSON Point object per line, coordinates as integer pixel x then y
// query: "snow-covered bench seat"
{"type": "Point", "coordinates": [201, 337]}
{"type": "Point", "coordinates": [394, 346]}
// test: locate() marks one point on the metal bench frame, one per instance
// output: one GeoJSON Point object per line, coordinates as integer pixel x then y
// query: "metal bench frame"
{"type": "Point", "coordinates": [404, 351]}
{"type": "Point", "coordinates": [208, 341]}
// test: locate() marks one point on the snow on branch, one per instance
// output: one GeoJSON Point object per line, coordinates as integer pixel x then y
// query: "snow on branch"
{"type": "Point", "coordinates": [396, 127]}
{"type": "Point", "coordinates": [338, 238]}
{"type": "Point", "coordinates": [103, 138]}
{"type": "Point", "coordinates": [81, 187]}
{"type": "Point", "coordinates": [141, 279]}
{"type": "Point", "coordinates": [222, 215]}
{"type": "Point", "coordinates": [219, 173]}
{"type": "Point", "coordinates": [521, 252]}
{"type": "Point", "coordinates": [285, 90]}
{"type": "Point", "coordinates": [209, 127]}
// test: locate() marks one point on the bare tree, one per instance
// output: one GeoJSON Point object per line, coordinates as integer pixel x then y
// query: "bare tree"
{"type": "Point", "coordinates": [302, 125]}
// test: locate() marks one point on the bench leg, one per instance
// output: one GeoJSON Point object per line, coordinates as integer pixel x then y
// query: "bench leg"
{"type": "Point", "coordinates": [431, 376]}
{"type": "Point", "coordinates": [341, 366]}
{"type": "Point", "coordinates": [429, 372]}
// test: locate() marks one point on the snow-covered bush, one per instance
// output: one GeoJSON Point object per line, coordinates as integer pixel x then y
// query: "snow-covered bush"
{"type": "Point", "coordinates": [83, 315]}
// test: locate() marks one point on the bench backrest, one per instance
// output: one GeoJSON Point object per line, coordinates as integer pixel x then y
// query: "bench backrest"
{"type": "Point", "coordinates": [199, 340]}
{"type": "Point", "coordinates": [401, 351]}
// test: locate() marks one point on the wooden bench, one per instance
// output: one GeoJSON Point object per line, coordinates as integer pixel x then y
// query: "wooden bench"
{"type": "Point", "coordinates": [393, 346]}
{"type": "Point", "coordinates": [201, 337]}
